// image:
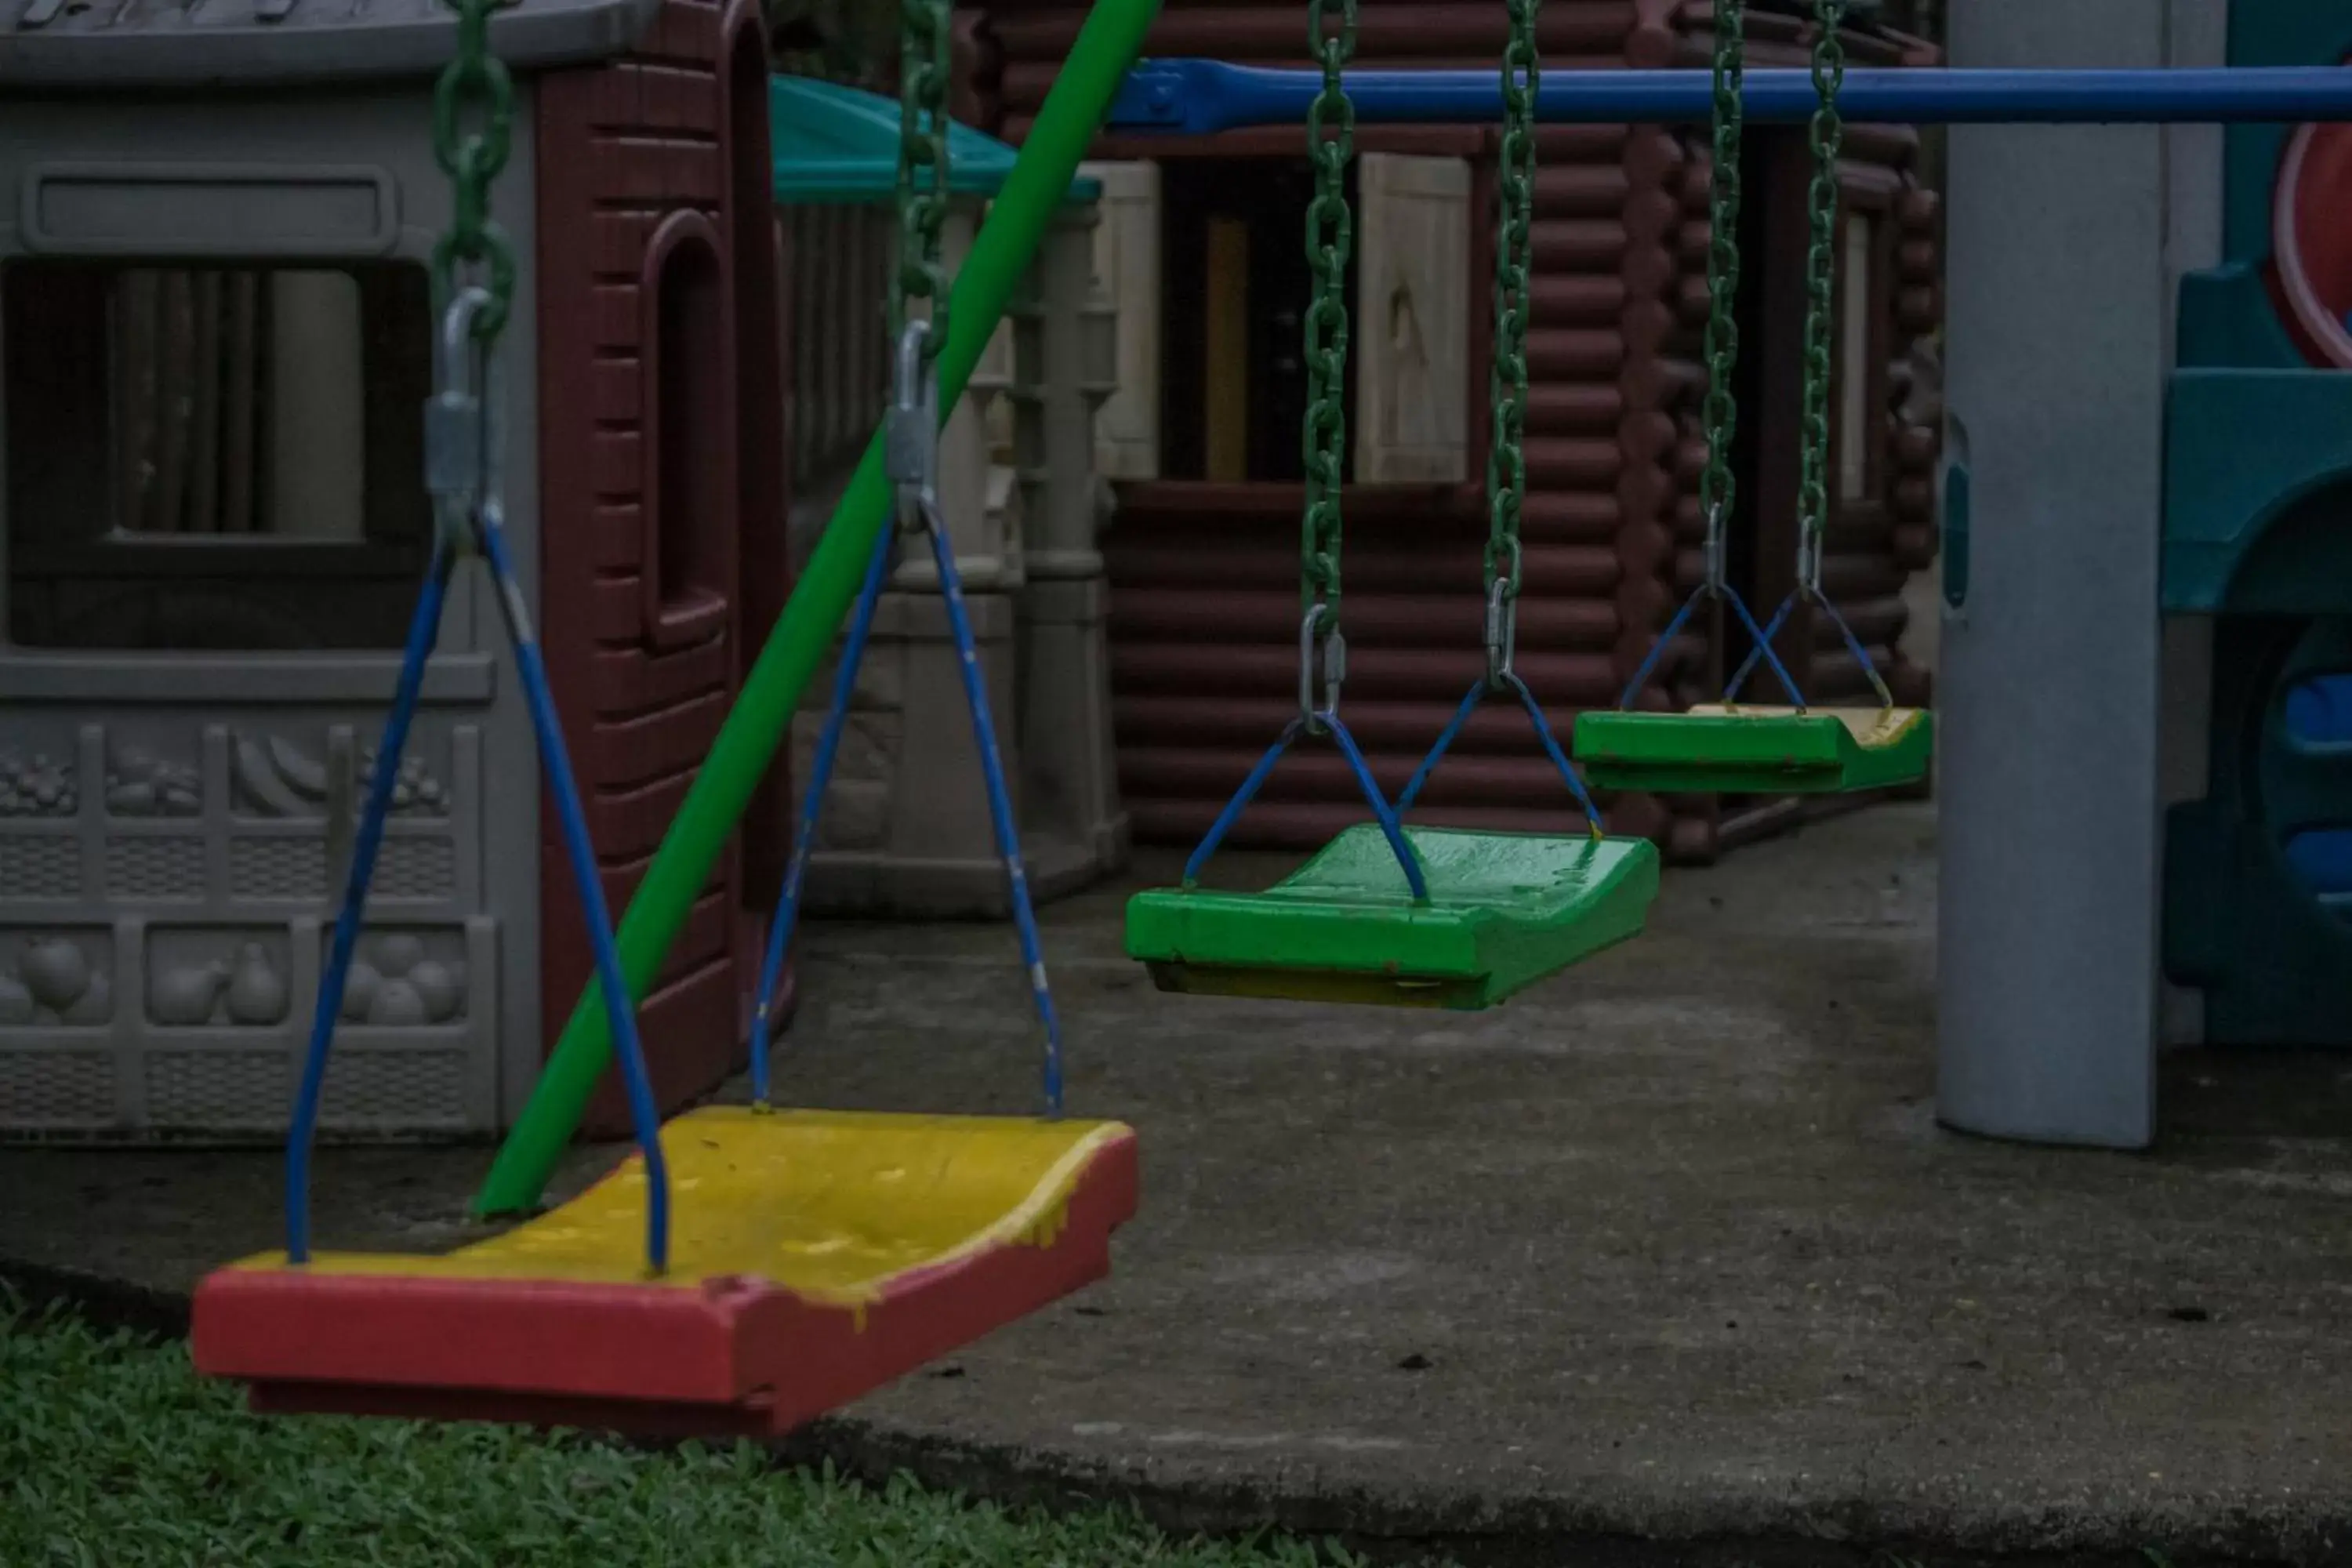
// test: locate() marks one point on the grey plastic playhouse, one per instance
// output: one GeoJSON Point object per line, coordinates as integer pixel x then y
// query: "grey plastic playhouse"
{"type": "Point", "coordinates": [207, 572]}
{"type": "Point", "coordinates": [905, 830]}
{"type": "Point", "coordinates": [217, 345]}
{"type": "Point", "coordinates": [218, 349]}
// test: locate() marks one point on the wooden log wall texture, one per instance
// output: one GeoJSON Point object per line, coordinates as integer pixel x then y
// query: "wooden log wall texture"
{"type": "Point", "coordinates": [1204, 578]}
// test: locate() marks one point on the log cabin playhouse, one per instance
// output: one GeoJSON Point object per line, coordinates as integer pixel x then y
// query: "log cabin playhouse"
{"type": "Point", "coordinates": [1200, 249]}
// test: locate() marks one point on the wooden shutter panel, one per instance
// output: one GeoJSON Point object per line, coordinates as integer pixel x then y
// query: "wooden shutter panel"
{"type": "Point", "coordinates": [1413, 309]}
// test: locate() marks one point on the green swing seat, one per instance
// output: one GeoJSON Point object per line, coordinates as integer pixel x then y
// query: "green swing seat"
{"type": "Point", "coordinates": [1505, 910]}
{"type": "Point", "coordinates": [1389, 914]}
{"type": "Point", "coordinates": [1734, 749]}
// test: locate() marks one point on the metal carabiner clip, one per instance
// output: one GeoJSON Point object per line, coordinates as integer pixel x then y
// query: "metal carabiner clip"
{"type": "Point", "coordinates": [911, 447]}
{"type": "Point", "coordinates": [463, 430]}
{"type": "Point", "coordinates": [1335, 669]}
{"type": "Point", "coordinates": [1502, 632]}
{"type": "Point", "coordinates": [1503, 618]}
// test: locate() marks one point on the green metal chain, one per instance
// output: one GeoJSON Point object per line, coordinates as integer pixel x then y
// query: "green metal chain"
{"type": "Point", "coordinates": [927, 41]}
{"type": "Point", "coordinates": [1330, 240]}
{"type": "Point", "coordinates": [1507, 462]}
{"type": "Point", "coordinates": [474, 86]}
{"type": "Point", "coordinates": [1717, 489]}
{"type": "Point", "coordinates": [1828, 140]}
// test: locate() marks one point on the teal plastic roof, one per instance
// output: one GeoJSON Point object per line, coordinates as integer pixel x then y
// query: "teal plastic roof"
{"type": "Point", "coordinates": [837, 145]}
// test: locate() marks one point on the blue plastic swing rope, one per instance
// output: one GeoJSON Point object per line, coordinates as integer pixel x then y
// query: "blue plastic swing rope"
{"type": "Point", "coordinates": [1316, 718]}
{"type": "Point", "coordinates": [1232, 813]}
{"type": "Point", "coordinates": [1682, 617]}
{"type": "Point", "coordinates": [1553, 750]}
{"type": "Point", "coordinates": [1445, 739]}
{"type": "Point", "coordinates": [1510, 681]}
{"type": "Point", "coordinates": [1763, 644]}
{"type": "Point", "coordinates": [1780, 619]}
{"type": "Point", "coordinates": [1761, 640]}
{"type": "Point", "coordinates": [828, 749]}
{"type": "Point", "coordinates": [911, 458]}
{"type": "Point", "coordinates": [424, 630]}
{"type": "Point", "coordinates": [483, 515]}
{"type": "Point", "coordinates": [1861, 654]}
{"type": "Point", "coordinates": [999, 798]}
{"type": "Point", "coordinates": [1391, 827]}
{"type": "Point", "coordinates": [628, 1047]}
{"type": "Point", "coordinates": [1000, 806]}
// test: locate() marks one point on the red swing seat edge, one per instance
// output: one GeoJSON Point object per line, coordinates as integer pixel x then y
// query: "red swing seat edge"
{"type": "Point", "coordinates": [729, 1357]}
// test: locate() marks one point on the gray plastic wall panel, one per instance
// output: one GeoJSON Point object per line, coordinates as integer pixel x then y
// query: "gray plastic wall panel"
{"type": "Point", "coordinates": [2048, 979]}
{"type": "Point", "coordinates": [173, 826]}
{"type": "Point", "coordinates": [272, 44]}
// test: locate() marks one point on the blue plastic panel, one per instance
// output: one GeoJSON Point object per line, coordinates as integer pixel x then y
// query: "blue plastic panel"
{"type": "Point", "coordinates": [2319, 711]}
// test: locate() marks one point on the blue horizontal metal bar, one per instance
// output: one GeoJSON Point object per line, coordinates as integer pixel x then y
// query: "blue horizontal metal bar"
{"type": "Point", "coordinates": [1197, 97]}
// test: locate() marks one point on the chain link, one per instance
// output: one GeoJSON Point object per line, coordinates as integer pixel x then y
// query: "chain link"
{"type": "Point", "coordinates": [1718, 490]}
{"type": "Point", "coordinates": [475, 89]}
{"type": "Point", "coordinates": [1330, 240]}
{"type": "Point", "coordinates": [1828, 135]}
{"type": "Point", "coordinates": [1507, 462]}
{"type": "Point", "coordinates": [927, 45]}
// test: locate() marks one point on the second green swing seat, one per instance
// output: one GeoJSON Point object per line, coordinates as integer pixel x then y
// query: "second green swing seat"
{"type": "Point", "coordinates": [1738, 749]}
{"type": "Point", "coordinates": [1504, 910]}
{"type": "Point", "coordinates": [1412, 917]}
{"type": "Point", "coordinates": [1731, 747]}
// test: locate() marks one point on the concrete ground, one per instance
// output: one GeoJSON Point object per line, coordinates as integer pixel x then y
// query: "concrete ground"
{"type": "Point", "coordinates": [1667, 1261]}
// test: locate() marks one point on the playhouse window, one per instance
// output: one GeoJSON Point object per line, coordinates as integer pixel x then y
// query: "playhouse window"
{"type": "Point", "coordinates": [215, 458]}
{"type": "Point", "coordinates": [1203, 260]}
{"type": "Point", "coordinates": [690, 436]}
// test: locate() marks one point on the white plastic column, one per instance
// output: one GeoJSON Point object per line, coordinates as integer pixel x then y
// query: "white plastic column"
{"type": "Point", "coordinates": [2050, 694]}
{"type": "Point", "coordinates": [318, 436]}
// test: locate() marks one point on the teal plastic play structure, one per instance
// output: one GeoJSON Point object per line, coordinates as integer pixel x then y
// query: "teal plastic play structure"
{"type": "Point", "coordinates": [2257, 534]}
{"type": "Point", "coordinates": [838, 146]}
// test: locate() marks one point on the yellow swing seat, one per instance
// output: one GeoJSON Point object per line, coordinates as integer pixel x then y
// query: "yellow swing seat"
{"type": "Point", "coordinates": [823, 1254]}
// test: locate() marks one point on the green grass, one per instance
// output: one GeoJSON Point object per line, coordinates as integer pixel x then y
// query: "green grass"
{"type": "Point", "coordinates": [114, 1454]}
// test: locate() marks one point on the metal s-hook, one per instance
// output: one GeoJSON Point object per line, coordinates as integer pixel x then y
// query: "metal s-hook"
{"type": "Point", "coordinates": [1502, 634]}
{"type": "Point", "coordinates": [1502, 619]}
{"type": "Point", "coordinates": [1335, 669]}
{"type": "Point", "coordinates": [911, 446]}
{"type": "Point", "coordinates": [463, 456]}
